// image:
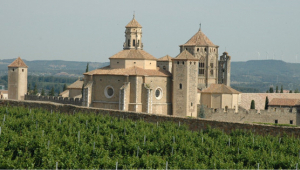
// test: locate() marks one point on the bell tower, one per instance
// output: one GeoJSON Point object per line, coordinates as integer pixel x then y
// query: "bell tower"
{"type": "Point", "coordinates": [133, 35]}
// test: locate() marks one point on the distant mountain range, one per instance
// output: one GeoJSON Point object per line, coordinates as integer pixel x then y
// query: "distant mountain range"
{"type": "Point", "coordinates": [53, 67]}
{"type": "Point", "coordinates": [249, 76]}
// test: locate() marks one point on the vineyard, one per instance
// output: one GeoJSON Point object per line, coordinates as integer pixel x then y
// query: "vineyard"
{"type": "Point", "coordinates": [40, 139]}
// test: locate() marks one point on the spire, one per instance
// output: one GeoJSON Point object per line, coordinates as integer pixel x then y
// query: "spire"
{"type": "Point", "coordinates": [200, 27]}
{"type": "Point", "coordinates": [133, 15]}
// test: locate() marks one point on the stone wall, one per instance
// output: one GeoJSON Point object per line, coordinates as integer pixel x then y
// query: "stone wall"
{"type": "Point", "coordinates": [283, 116]}
{"type": "Point", "coordinates": [62, 100]}
{"type": "Point", "coordinates": [193, 123]}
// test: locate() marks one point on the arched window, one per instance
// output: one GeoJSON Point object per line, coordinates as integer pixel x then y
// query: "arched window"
{"type": "Point", "coordinates": [180, 86]}
{"type": "Point", "coordinates": [133, 42]}
{"type": "Point", "coordinates": [128, 42]}
{"type": "Point", "coordinates": [201, 66]}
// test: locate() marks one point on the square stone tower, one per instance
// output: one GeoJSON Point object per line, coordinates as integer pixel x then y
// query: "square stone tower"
{"type": "Point", "coordinates": [185, 81]}
{"type": "Point", "coordinates": [17, 79]}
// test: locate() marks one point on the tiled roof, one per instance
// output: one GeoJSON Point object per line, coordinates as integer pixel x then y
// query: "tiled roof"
{"type": "Point", "coordinates": [18, 63]}
{"type": "Point", "coordinates": [284, 102]}
{"type": "Point", "coordinates": [133, 54]}
{"type": "Point", "coordinates": [130, 71]}
{"type": "Point", "coordinates": [185, 55]}
{"type": "Point", "coordinates": [199, 39]}
{"type": "Point", "coordinates": [133, 23]}
{"type": "Point", "coordinates": [4, 91]}
{"type": "Point", "coordinates": [76, 85]}
{"type": "Point", "coordinates": [165, 58]}
{"type": "Point", "coordinates": [220, 88]}
{"type": "Point", "coordinates": [260, 98]}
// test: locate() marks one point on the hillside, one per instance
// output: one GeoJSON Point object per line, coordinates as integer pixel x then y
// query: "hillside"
{"type": "Point", "coordinates": [259, 75]}
{"type": "Point", "coordinates": [39, 139]}
{"type": "Point", "coordinates": [53, 67]}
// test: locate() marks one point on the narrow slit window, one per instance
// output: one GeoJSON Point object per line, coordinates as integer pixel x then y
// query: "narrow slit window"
{"type": "Point", "coordinates": [133, 42]}
{"type": "Point", "coordinates": [180, 86]}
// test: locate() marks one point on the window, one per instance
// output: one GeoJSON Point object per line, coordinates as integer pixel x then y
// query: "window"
{"type": "Point", "coordinates": [291, 122]}
{"type": "Point", "coordinates": [118, 62]}
{"type": "Point", "coordinates": [158, 93]}
{"type": "Point", "coordinates": [205, 49]}
{"type": "Point", "coordinates": [276, 121]}
{"type": "Point", "coordinates": [183, 62]}
{"type": "Point", "coordinates": [211, 65]}
{"type": "Point", "coordinates": [226, 108]}
{"type": "Point", "coordinates": [109, 91]}
{"type": "Point", "coordinates": [22, 70]}
{"type": "Point", "coordinates": [201, 68]}
{"type": "Point", "coordinates": [13, 69]}
{"type": "Point", "coordinates": [180, 86]}
{"type": "Point", "coordinates": [211, 72]}
{"type": "Point", "coordinates": [164, 67]}
{"type": "Point", "coordinates": [134, 62]}
{"type": "Point", "coordinates": [192, 104]}
{"type": "Point", "coordinates": [133, 42]}
{"type": "Point", "coordinates": [197, 49]}
{"type": "Point", "coordinates": [177, 62]}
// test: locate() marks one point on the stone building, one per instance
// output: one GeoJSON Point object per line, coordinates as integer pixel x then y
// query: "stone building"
{"type": "Point", "coordinates": [137, 81]}
{"type": "Point", "coordinates": [284, 105]}
{"type": "Point", "coordinates": [17, 79]}
{"type": "Point", "coordinates": [74, 90]}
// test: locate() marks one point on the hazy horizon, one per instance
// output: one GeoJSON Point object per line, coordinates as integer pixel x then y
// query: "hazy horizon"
{"type": "Point", "coordinates": [73, 30]}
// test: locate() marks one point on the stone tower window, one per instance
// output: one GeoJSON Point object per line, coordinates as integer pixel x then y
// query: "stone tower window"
{"type": "Point", "coordinates": [13, 69]}
{"type": "Point", "coordinates": [211, 65]}
{"type": "Point", "coordinates": [177, 62]}
{"type": "Point", "coordinates": [291, 122]}
{"type": "Point", "coordinates": [201, 68]}
{"type": "Point", "coordinates": [22, 70]}
{"type": "Point", "coordinates": [164, 67]}
{"type": "Point", "coordinates": [197, 49]}
{"type": "Point", "coordinates": [180, 86]}
{"type": "Point", "coordinates": [211, 72]}
{"type": "Point", "coordinates": [183, 62]}
{"type": "Point", "coordinates": [133, 42]}
{"type": "Point", "coordinates": [128, 43]}
{"type": "Point", "coordinates": [205, 49]}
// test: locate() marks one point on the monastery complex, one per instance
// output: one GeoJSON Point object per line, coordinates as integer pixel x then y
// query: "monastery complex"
{"type": "Point", "coordinates": [137, 81]}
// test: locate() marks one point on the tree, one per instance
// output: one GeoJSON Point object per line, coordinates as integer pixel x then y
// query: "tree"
{"type": "Point", "coordinates": [29, 88]}
{"type": "Point", "coordinates": [252, 104]}
{"type": "Point", "coordinates": [276, 89]}
{"type": "Point", "coordinates": [43, 92]}
{"type": "Point", "coordinates": [291, 91]}
{"type": "Point", "coordinates": [271, 90]}
{"type": "Point", "coordinates": [281, 89]}
{"type": "Point", "coordinates": [82, 88]}
{"type": "Point", "coordinates": [65, 87]}
{"type": "Point", "coordinates": [35, 91]}
{"type": "Point", "coordinates": [51, 92]}
{"type": "Point", "coordinates": [296, 91]}
{"type": "Point", "coordinates": [267, 91]}
{"type": "Point", "coordinates": [201, 112]}
{"type": "Point", "coordinates": [267, 103]}
{"type": "Point", "coordinates": [87, 67]}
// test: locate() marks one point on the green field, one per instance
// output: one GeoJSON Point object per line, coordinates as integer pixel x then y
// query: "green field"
{"type": "Point", "coordinates": [36, 138]}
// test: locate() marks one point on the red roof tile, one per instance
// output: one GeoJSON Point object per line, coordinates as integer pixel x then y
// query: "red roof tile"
{"type": "Point", "coordinates": [18, 63]}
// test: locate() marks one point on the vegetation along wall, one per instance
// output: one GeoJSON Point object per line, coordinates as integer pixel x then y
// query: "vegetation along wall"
{"type": "Point", "coordinates": [193, 123]}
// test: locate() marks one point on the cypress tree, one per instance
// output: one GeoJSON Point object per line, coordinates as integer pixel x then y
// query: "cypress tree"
{"type": "Point", "coordinates": [271, 90]}
{"type": "Point", "coordinates": [201, 112]}
{"type": "Point", "coordinates": [267, 103]}
{"type": "Point", "coordinates": [281, 89]}
{"type": "Point", "coordinates": [276, 89]}
{"type": "Point", "coordinates": [87, 67]}
{"type": "Point", "coordinates": [252, 104]}
{"type": "Point", "coordinates": [291, 91]}
{"type": "Point", "coordinates": [43, 92]}
{"type": "Point", "coordinates": [65, 87]}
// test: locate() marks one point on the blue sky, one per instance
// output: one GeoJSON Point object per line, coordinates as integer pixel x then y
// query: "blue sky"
{"type": "Point", "coordinates": [94, 30]}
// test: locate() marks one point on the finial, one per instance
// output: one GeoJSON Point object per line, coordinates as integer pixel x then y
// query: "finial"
{"type": "Point", "coordinates": [133, 14]}
{"type": "Point", "coordinates": [200, 27]}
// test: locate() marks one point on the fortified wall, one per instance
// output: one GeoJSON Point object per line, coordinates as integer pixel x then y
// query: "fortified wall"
{"type": "Point", "coordinates": [281, 116]}
{"type": "Point", "coordinates": [62, 100]}
{"type": "Point", "coordinates": [194, 124]}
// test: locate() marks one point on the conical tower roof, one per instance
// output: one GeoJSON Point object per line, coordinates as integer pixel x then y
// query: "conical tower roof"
{"type": "Point", "coordinates": [199, 39]}
{"type": "Point", "coordinates": [165, 58]}
{"type": "Point", "coordinates": [133, 23]}
{"type": "Point", "coordinates": [18, 63]}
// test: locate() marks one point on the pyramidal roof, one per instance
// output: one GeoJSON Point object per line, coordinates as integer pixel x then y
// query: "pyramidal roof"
{"type": "Point", "coordinates": [220, 88]}
{"type": "Point", "coordinates": [199, 39]}
{"type": "Point", "coordinates": [18, 63]}
{"type": "Point", "coordinates": [185, 55]}
{"type": "Point", "coordinates": [133, 54]}
{"type": "Point", "coordinates": [133, 23]}
{"type": "Point", "coordinates": [165, 58]}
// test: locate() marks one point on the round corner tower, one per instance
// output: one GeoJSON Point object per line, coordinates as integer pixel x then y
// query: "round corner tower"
{"type": "Point", "coordinates": [17, 79]}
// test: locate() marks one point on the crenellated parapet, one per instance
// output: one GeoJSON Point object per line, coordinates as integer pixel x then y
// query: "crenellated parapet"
{"type": "Point", "coordinates": [56, 99]}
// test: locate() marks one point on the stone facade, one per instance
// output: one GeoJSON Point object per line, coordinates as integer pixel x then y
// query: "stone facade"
{"type": "Point", "coordinates": [224, 69]}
